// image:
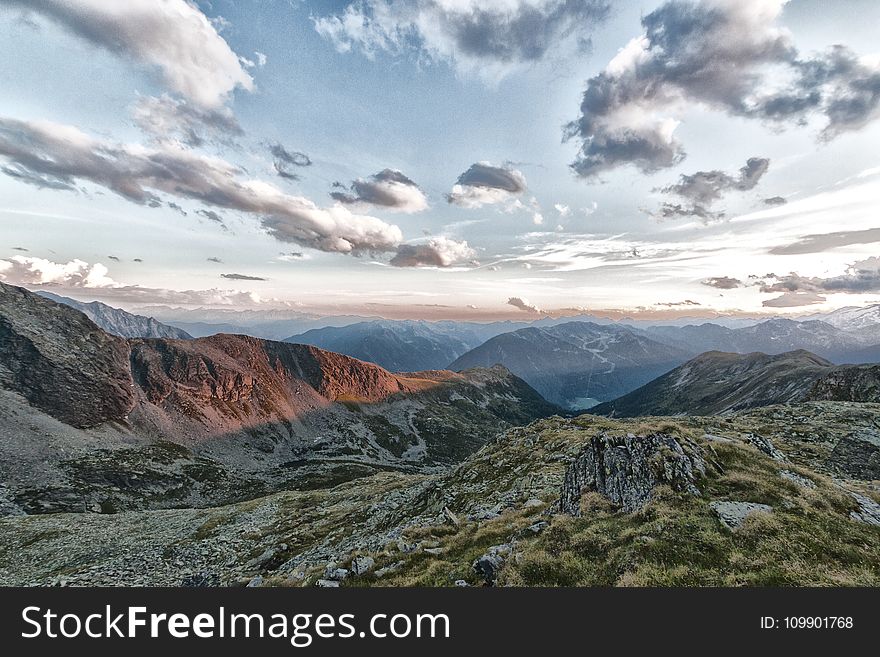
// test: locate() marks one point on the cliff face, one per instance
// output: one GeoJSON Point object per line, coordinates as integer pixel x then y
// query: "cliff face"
{"type": "Point", "coordinates": [61, 362]}
{"type": "Point", "coordinates": [856, 383]}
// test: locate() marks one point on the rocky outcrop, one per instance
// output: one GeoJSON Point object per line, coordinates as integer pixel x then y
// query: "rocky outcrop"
{"type": "Point", "coordinates": [61, 362]}
{"type": "Point", "coordinates": [857, 455]}
{"type": "Point", "coordinates": [625, 469]}
{"type": "Point", "coordinates": [852, 383]}
{"type": "Point", "coordinates": [733, 514]}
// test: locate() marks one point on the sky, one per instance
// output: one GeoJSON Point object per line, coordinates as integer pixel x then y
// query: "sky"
{"type": "Point", "coordinates": [443, 158]}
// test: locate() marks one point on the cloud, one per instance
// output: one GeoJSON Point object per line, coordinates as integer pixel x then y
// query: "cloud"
{"type": "Point", "coordinates": [793, 300]}
{"type": "Point", "coordinates": [113, 258]}
{"type": "Point", "coordinates": [215, 259]}
{"type": "Point", "coordinates": [719, 54]}
{"type": "Point", "coordinates": [723, 282]}
{"type": "Point", "coordinates": [485, 184]}
{"type": "Point", "coordinates": [860, 277]}
{"type": "Point", "coordinates": [677, 304]}
{"type": "Point", "coordinates": [25, 270]}
{"type": "Point", "coordinates": [76, 277]}
{"type": "Point", "coordinates": [524, 305]}
{"type": "Point", "coordinates": [436, 252]}
{"type": "Point", "coordinates": [827, 241]}
{"type": "Point", "coordinates": [491, 39]}
{"type": "Point", "coordinates": [171, 37]}
{"type": "Point", "coordinates": [37, 180]}
{"type": "Point", "coordinates": [138, 260]}
{"type": "Point", "coordinates": [136, 173]}
{"type": "Point", "coordinates": [389, 189]}
{"type": "Point", "coordinates": [285, 159]}
{"type": "Point", "coordinates": [20, 248]}
{"type": "Point", "coordinates": [210, 215]}
{"type": "Point", "coordinates": [242, 277]}
{"type": "Point", "coordinates": [703, 188]}
{"type": "Point", "coordinates": [775, 201]}
{"type": "Point", "coordinates": [165, 118]}
{"type": "Point", "coordinates": [562, 209]}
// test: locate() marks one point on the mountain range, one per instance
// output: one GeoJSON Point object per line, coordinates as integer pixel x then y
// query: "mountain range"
{"type": "Point", "coordinates": [240, 413]}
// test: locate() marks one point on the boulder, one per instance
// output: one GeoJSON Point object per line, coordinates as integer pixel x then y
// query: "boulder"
{"type": "Point", "coordinates": [764, 445]}
{"type": "Point", "coordinates": [625, 469]}
{"type": "Point", "coordinates": [488, 565]}
{"type": "Point", "coordinates": [733, 514]}
{"type": "Point", "coordinates": [362, 565]}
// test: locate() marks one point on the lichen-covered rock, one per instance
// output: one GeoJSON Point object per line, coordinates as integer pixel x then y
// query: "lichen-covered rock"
{"type": "Point", "coordinates": [733, 514]}
{"type": "Point", "coordinates": [795, 478]}
{"type": "Point", "coordinates": [625, 469]}
{"type": "Point", "coordinates": [869, 510]}
{"type": "Point", "coordinates": [488, 565]}
{"type": "Point", "coordinates": [362, 565]}
{"type": "Point", "coordinates": [857, 455]}
{"type": "Point", "coordinates": [764, 445]}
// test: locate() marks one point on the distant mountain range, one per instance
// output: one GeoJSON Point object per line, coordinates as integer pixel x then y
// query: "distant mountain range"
{"type": "Point", "coordinates": [119, 322]}
{"type": "Point", "coordinates": [577, 364]}
{"type": "Point", "coordinates": [716, 383]}
{"type": "Point", "coordinates": [241, 414]}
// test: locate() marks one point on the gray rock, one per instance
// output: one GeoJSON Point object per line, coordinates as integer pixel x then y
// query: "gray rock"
{"type": "Point", "coordinates": [333, 572]}
{"type": "Point", "coordinates": [255, 582]}
{"type": "Point", "coordinates": [450, 516]}
{"type": "Point", "coordinates": [869, 510]}
{"type": "Point", "coordinates": [733, 514]}
{"type": "Point", "coordinates": [327, 584]}
{"type": "Point", "coordinates": [538, 527]}
{"type": "Point", "coordinates": [265, 557]}
{"type": "Point", "coordinates": [794, 477]}
{"type": "Point", "coordinates": [362, 565]}
{"type": "Point", "coordinates": [625, 469]}
{"type": "Point", "coordinates": [764, 445]}
{"type": "Point", "coordinates": [200, 580]}
{"type": "Point", "coordinates": [857, 455]}
{"type": "Point", "coordinates": [488, 565]}
{"type": "Point", "coordinates": [712, 438]}
{"type": "Point", "coordinates": [461, 583]}
{"type": "Point", "coordinates": [434, 550]}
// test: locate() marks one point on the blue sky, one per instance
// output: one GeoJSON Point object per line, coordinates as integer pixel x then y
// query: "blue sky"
{"type": "Point", "coordinates": [137, 146]}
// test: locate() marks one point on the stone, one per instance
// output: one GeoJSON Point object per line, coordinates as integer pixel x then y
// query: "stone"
{"type": "Point", "coordinates": [434, 550]}
{"type": "Point", "coordinates": [712, 438]}
{"type": "Point", "coordinates": [451, 517]}
{"type": "Point", "coordinates": [538, 527]}
{"type": "Point", "coordinates": [857, 455]}
{"type": "Point", "coordinates": [488, 565]}
{"type": "Point", "coordinates": [733, 514]}
{"type": "Point", "coordinates": [795, 478]}
{"type": "Point", "coordinates": [201, 580]}
{"type": "Point", "coordinates": [766, 446]}
{"type": "Point", "coordinates": [625, 469]}
{"type": "Point", "coordinates": [327, 584]}
{"type": "Point", "coordinates": [390, 568]}
{"type": "Point", "coordinates": [461, 583]}
{"type": "Point", "coordinates": [333, 572]}
{"type": "Point", "coordinates": [362, 565]}
{"type": "Point", "coordinates": [255, 582]}
{"type": "Point", "coordinates": [869, 510]}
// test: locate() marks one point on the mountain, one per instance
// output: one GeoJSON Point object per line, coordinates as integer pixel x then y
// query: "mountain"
{"type": "Point", "coordinates": [218, 418]}
{"type": "Point", "coordinates": [716, 383]}
{"type": "Point", "coordinates": [852, 318]}
{"type": "Point", "coordinates": [119, 322]}
{"type": "Point", "coordinates": [774, 336]}
{"type": "Point", "coordinates": [577, 364]}
{"type": "Point", "coordinates": [403, 346]}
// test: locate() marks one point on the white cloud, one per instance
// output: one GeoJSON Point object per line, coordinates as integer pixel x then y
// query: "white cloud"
{"type": "Point", "coordinates": [172, 37]}
{"type": "Point", "coordinates": [436, 252]}
{"type": "Point", "coordinates": [524, 305]}
{"type": "Point", "coordinates": [26, 270]}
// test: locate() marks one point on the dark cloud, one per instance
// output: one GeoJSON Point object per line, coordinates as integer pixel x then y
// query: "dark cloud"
{"type": "Point", "coordinates": [137, 260]}
{"type": "Point", "coordinates": [113, 258]}
{"type": "Point", "coordinates": [243, 277]}
{"type": "Point", "coordinates": [827, 241]}
{"type": "Point", "coordinates": [136, 173]}
{"type": "Point", "coordinates": [214, 259]}
{"type": "Point", "coordinates": [20, 248]}
{"type": "Point", "coordinates": [285, 159]}
{"type": "Point", "coordinates": [717, 55]}
{"type": "Point", "coordinates": [210, 215]}
{"type": "Point", "coordinates": [436, 252]}
{"type": "Point", "coordinates": [793, 300]}
{"type": "Point", "coordinates": [775, 201]}
{"type": "Point", "coordinates": [389, 189]}
{"type": "Point", "coordinates": [172, 205]}
{"type": "Point", "coordinates": [860, 277]}
{"type": "Point", "coordinates": [478, 36]}
{"type": "Point", "coordinates": [484, 183]}
{"type": "Point", "coordinates": [704, 188]}
{"type": "Point", "coordinates": [723, 282]}
{"type": "Point", "coordinates": [29, 177]}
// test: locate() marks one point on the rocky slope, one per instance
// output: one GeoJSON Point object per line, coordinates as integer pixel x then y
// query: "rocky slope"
{"type": "Point", "coordinates": [150, 422]}
{"type": "Point", "coordinates": [748, 499]}
{"type": "Point", "coordinates": [577, 364]}
{"type": "Point", "coordinates": [119, 322]}
{"type": "Point", "coordinates": [717, 383]}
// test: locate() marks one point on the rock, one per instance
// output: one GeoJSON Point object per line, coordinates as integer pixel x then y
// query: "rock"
{"type": "Point", "coordinates": [201, 580]}
{"type": "Point", "coordinates": [390, 568]}
{"type": "Point", "coordinates": [795, 478]}
{"type": "Point", "coordinates": [8, 507]}
{"type": "Point", "coordinates": [265, 557]}
{"type": "Point", "coordinates": [625, 469]}
{"type": "Point", "coordinates": [484, 513]}
{"type": "Point", "coordinates": [716, 439]}
{"type": "Point", "coordinates": [298, 573]}
{"type": "Point", "coordinates": [488, 565]}
{"type": "Point", "coordinates": [733, 514]}
{"type": "Point", "coordinates": [405, 547]}
{"type": "Point", "coordinates": [327, 584]}
{"type": "Point", "coordinates": [461, 583]}
{"type": "Point", "coordinates": [764, 445]}
{"type": "Point", "coordinates": [857, 455]}
{"type": "Point", "coordinates": [538, 527]}
{"type": "Point", "coordinates": [532, 502]}
{"type": "Point", "coordinates": [332, 572]}
{"type": "Point", "coordinates": [869, 510]}
{"type": "Point", "coordinates": [362, 565]}
{"type": "Point", "coordinates": [434, 550]}
{"type": "Point", "coordinates": [255, 582]}
{"type": "Point", "coordinates": [451, 517]}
